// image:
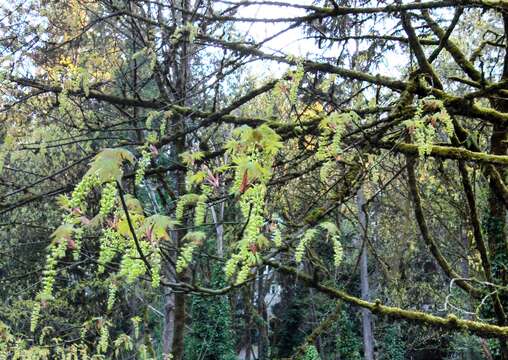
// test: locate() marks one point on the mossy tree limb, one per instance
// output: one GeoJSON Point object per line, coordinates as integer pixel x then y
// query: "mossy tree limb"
{"type": "Point", "coordinates": [451, 322]}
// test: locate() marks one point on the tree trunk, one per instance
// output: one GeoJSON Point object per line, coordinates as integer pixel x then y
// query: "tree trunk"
{"type": "Point", "coordinates": [169, 324]}
{"type": "Point", "coordinates": [181, 65]}
{"type": "Point", "coordinates": [179, 326]}
{"type": "Point", "coordinates": [180, 298]}
{"type": "Point", "coordinates": [368, 337]}
{"type": "Point", "coordinates": [496, 226]}
{"type": "Point", "coordinates": [263, 341]}
{"type": "Point", "coordinates": [468, 353]}
{"type": "Point", "coordinates": [219, 228]}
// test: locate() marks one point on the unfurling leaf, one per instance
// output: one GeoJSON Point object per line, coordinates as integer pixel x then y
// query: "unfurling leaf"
{"type": "Point", "coordinates": [63, 232]}
{"type": "Point", "coordinates": [245, 182]}
{"type": "Point", "coordinates": [107, 165]}
{"type": "Point", "coordinates": [156, 227]}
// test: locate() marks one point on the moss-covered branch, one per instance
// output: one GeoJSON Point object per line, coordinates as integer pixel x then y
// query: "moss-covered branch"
{"type": "Point", "coordinates": [447, 152]}
{"type": "Point", "coordinates": [450, 323]}
{"type": "Point", "coordinates": [452, 48]}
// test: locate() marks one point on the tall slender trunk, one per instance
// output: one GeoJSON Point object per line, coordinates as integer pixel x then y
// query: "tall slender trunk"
{"type": "Point", "coordinates": [180, 316]}
{"type": "Point", "coordinates": [368, 337]}
{"type": "Point", "coordinates": [174, 307]}
{"type": "Point", "coordinates": [181, 65]}
{"type": "Point", "coordinates": [169, 323]}
{"type": "Point", "coordinates": [180, 298]}
{"type": "Point", "coordinates": [263, 343]}
{"type": "Point", "coordinates": [468, 353]}
{"type": "Point", "coordinates": [219, 228]}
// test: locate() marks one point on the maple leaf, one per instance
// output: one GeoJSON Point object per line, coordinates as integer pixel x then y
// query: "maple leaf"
{"type": "Point", "coordinates": [107, 164]}
{"type": "Point", "coordinates": [64, 232]}
{"type": "Point", "coordinates": [156, 227]}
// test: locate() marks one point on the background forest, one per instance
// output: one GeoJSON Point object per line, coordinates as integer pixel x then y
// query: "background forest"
{"type": "Point", "coordinates": [254, 179]}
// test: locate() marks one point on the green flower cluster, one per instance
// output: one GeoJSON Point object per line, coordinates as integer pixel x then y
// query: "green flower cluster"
{"type": "Point", "coordinates": [200, 211]}
{"type": "Point", "coordinates": [57, 251]}
{"type": "Point", "coordinates": [108, 198]}
{"type": "Point", "coordinates": [102, 346]}
{"type": "Point", "coordinates": [82, 190]}
{"type": "Point", "coordinates": [142, 166]}
{"type": "Point", "coordinates": [131, 267]}
{"type": "Point", "coordinates": [252, 205]}
{"type": "Point", "coordinates": [308, 236]}
{"type": "Point", "coordinates": [155, 260]}
{"type": "Point", "coordinates": [185, 200]}
{"type": "Point", "coordinates": [113, 288]}
{"type": "Point", "coordinates": [111, 243]}
{"type": "Point", "coordinates": [185, 257]}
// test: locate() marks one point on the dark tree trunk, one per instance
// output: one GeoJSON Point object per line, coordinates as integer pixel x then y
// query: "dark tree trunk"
{"type": "Point", "coordinates": [368, 337]}
{"type": "Point", "coordinates": [263, 343]}
{"type": "Point", "coordinates": [496, 223]}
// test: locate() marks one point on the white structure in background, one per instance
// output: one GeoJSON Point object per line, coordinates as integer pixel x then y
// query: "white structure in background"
{"type": "Point", "coordinates": [272, 298]}
{"type": "Point", "coordinates": [253, 353]}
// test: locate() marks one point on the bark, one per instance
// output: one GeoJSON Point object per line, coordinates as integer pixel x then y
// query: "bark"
{"type": "Point", "coordinates": [496, 224]}
{"type": "Point", "coordinates": [496, 227]}
{"type": "Point", "coordinates": [468, 353]}
{"type": "Point", "coordinates": [179, 326]}
{"type": "Point", "coordinates": [181, 66]}
{"type": "Point", "coordinates": [425, 232]}
{"type": "Point", "coordinates": [219, 228]}
{"type": "Point", "coordinates": [180, 298]}
{"type": "Point", "coordinates": [368, 336]}
{"type": "Point", "coordinates": [263, 344]}
{"type": "Point", "coordinates": [169, 323]}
